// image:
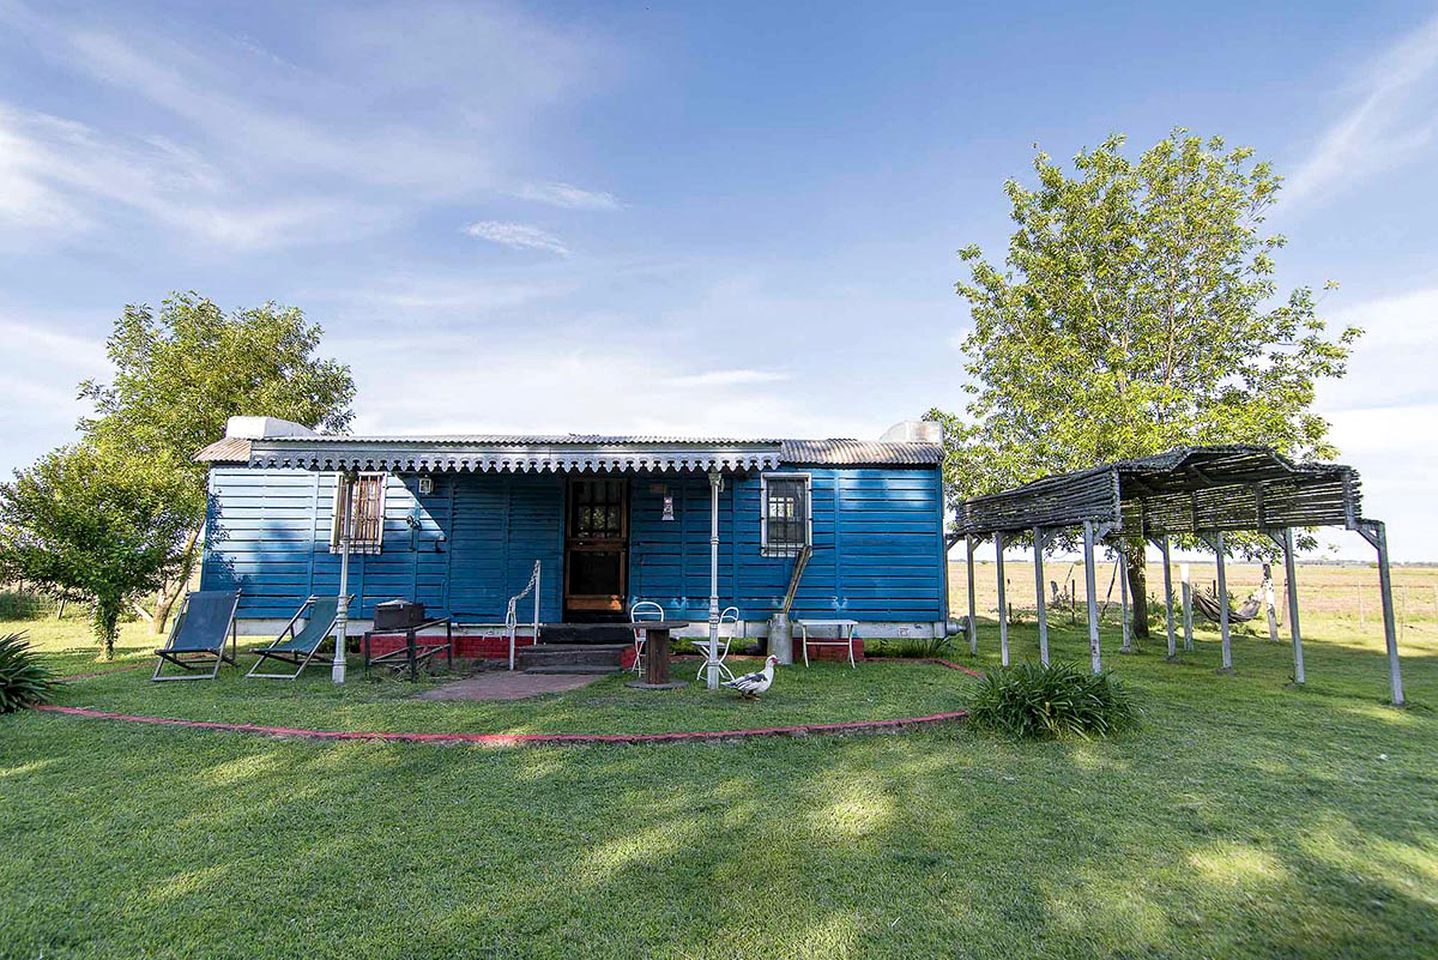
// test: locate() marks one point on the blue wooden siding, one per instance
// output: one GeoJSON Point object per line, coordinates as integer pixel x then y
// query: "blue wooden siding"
{"type": "Point", "coordinates": [468, 546]}
{"type": "Point", "coordinates": [878, 547]}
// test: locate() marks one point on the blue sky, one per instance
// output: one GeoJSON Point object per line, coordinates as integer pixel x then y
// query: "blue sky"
{"type": "Point", "coordinates": [698, 218]}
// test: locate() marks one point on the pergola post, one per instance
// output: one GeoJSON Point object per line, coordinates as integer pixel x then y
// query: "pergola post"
{"type": "Point", "coordinates": [1376, 533]}
{"type": "Point", "coordinates": [1162, 544]}
{"type": "Point", "coordinates": [1187, 588]}
{"type": "Point", "coordinates": [1003, 601]}
{"type": "Point", "coordinates": [1284, 540]}
{"type": "Point", "coordinates": [1127, 646]}
{"type": "Point", "coordinates": [342, 606]}
{"type": "Point", "coordinates": [973, 623]}
{"type": "Point", "coordinates": [1223, 631]}
{"type": "Point", "coordinates": [1095, 652]}
{"type": "Point", "coordinates": [1290, 573]}
{"type": "Point", "coordinates": [1039, 595]}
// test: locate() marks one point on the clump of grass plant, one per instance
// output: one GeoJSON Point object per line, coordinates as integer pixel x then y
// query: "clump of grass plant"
{"type": "Point", "coordinates": [1036, 702]}
{"type": "Point", "coordinates": [24, 680]}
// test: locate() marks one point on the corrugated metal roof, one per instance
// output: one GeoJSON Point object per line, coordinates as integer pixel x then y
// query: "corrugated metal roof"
{"type": "Point", "coordinates": [857, 452]}
{"type": "Point", "coordinates": [226, 450]}
{"type": "Point", "coordinates": [572, 451]}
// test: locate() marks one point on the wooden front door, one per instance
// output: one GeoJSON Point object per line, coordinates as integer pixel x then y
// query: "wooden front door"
{"type": "Point", "coordinates": [596, 549]}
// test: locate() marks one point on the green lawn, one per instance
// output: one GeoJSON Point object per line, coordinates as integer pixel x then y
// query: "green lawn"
{"type": "Point", "coordinates": [1245, 819]}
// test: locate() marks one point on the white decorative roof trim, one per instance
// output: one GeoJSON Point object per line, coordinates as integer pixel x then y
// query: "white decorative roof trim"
{"type": "Point", "coordinates": [328, 458]}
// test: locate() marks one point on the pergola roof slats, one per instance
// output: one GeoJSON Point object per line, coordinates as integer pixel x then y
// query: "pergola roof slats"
{"type": "Point", "coordinates": [1183, 491]}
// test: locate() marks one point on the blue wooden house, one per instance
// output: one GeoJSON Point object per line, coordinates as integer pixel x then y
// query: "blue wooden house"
{"type": "Point", "coordinates": [458, 524]}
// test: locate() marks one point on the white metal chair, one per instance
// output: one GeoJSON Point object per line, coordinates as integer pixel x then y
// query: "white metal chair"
{"type": "Point", "coordinates": [729, 617]}
{"type": "Point", "coordinates": [640, 611]}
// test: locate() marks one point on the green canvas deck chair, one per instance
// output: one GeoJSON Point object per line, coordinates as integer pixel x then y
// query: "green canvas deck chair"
{"type": "Point", "coordinates": [299, 648]}
{"type": "Point", "coordinates": [197, 640]}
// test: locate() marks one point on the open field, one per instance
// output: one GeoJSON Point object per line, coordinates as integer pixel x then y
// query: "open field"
{"type": "Point", "coordinates": [1343, 597]}
{"type": "Point", "coordinates": [1246, 819]}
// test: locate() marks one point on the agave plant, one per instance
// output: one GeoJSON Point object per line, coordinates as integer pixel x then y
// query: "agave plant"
{"type": "Point", "coordinates": [1044, 702]}
{"type": "Point", "coordinates": [24, 680]}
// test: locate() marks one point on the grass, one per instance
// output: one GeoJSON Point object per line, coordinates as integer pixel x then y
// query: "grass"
{"type": "Point", "coordinates": [1245, 819]}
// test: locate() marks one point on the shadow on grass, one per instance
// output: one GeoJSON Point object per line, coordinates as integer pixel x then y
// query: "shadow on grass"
{"type": "Point", "coordinates": [1245, 819]}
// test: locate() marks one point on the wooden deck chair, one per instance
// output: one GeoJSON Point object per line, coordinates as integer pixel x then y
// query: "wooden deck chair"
{"type": "Point", "coordinates": [198, 637]}
{"type": "Point", "coordinates": [299, 648]}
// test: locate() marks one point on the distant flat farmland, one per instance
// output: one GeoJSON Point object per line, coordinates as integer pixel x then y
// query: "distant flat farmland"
{"type": "Point", "coordinates": [1329, 594]}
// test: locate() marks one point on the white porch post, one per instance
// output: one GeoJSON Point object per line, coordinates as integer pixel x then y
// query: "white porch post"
{"type": "Point", "coordinates": [711, 672]}
{"type": "Point", "coordinates": [342, 610]}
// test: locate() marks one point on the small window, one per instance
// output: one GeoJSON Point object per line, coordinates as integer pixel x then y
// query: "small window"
{"type": "Point", "coordinates": [366, 514]}
{"type": "Point", "coordinates": [785, 524]}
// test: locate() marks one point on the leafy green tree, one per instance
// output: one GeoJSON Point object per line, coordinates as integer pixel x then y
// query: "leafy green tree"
{"type": "Point", "coordinates": [93, 524]}
{"type": "Point", "coordinates": [182, 373]}
{"type": "Point", "coordinates": [1137, 310]}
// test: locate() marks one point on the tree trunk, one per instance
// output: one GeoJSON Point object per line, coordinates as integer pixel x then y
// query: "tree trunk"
{"type": "Point", "coordinates": [1138, 589]}
{"type": "Point", "coordinates": [171, 592]}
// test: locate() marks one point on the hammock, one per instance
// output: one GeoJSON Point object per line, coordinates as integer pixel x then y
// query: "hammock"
{"type": "Point", "coordinates": [1207, 604]}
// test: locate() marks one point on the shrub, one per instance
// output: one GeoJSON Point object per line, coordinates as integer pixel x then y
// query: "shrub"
{"type": "Point", "coordinates": [24, 680]}
{"type": "Point", "coordinates": [1032, 701]}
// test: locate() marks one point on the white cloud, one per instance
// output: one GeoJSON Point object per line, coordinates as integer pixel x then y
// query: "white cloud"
{"type": "Point", "coordinates": [63, 178]}
{"type": "Point", "coordinates": [517, 236]}
{"type": "Point", "coordinates": [1392, 122]}
{"type": "Point", "coordinates": [568, 196]}
{"type": "Point", "coordinates": [396, 107]}
{"type": "Point", "coordinates": [560, 381]}
{"type": "Point", "coordinates": [1392, 365]}
{"type": "Point", "coordinates": [43, 368]}
{"type": "Point", "coordinates": [728, 378]}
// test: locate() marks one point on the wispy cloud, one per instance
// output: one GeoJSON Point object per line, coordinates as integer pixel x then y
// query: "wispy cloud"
{"type": "Point", "coordinates": [59, 177]}
{"type": "Point", "coordinates": [395, 108]}
{"type": "Point", "coordinates": [568, 196]}
{"type": "Point", "coordinates": [728, 378]}
{"type": "Point", "coordinates": [1392, 122]}
{"type": "Point", "coordinates": [518, 236]}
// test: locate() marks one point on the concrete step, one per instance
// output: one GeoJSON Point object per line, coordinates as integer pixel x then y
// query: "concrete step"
{"type": "Point", "coordinates": [572, 657]}
{"type": "Point", "coordinates": [577, 669]}
{"type": "Point", "coordinates": [586, 633]}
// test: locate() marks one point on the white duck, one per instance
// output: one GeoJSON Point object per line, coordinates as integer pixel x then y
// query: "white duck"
{"type": "Point", "coordinates": [753, 684]}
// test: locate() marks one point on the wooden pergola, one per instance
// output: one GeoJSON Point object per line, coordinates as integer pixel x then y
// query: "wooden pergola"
{"type": "Point", "coordinates": [1200, 491]}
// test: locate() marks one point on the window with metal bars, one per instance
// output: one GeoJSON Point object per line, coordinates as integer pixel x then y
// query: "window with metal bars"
{"type": "Point", "coordinates": [785, 524]}
{"type": "Point", "coordinates": [366, 514]}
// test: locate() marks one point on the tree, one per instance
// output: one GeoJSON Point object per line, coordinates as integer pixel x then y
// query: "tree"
{"type": "Point", "coordinates": [1138, 310]}
{"type": "Point", "coordinates": [181, 375]}
{"type": "Point", "coordinates": [93, 524]}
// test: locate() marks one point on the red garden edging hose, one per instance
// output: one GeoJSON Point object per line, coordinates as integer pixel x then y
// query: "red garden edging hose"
{"type": "Point", "coordinates": [534, 739]}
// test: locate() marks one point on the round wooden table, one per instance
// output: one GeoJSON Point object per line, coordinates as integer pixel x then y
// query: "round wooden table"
{"type": "Point", "coordinates": [656, 654]}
